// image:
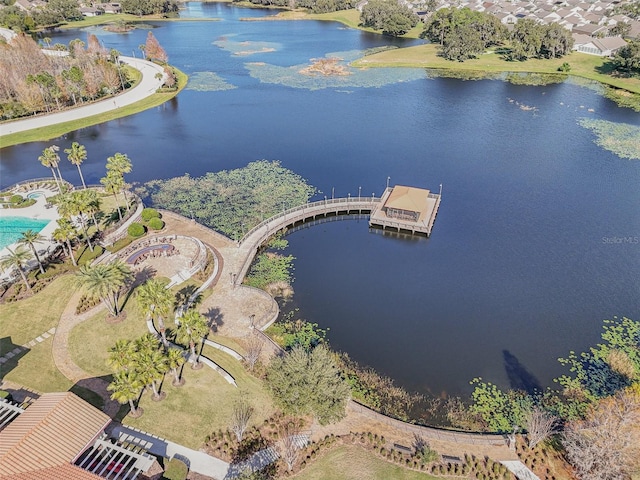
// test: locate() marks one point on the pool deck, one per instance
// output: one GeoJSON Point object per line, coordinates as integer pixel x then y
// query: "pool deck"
{"type": "Point", "coordinates": [37, 211]}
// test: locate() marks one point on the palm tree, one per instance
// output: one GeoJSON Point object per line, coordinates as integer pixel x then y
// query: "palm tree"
{"type": "Point", "coordinates": [192, 329]}
{"type": "Point", "coordinates": [175, 357]}
{"type": "Point", "coordinates": [113, 184]}
{"type": "Point", "coordinates": [90, 202]}
{"type": "Point", "coordinates": [76, 155]}
{"type": "Point", "coordinates": [74, 204]}
{"type": "Point", "coordinates": [156, 302]}
{"type": "Point", "coordinates": [120, 164]}
{"type": "Point", "coordinates": [122, 355]}
{"type": "Point", "coordinates": [65, 233]}
{"type": "Point", "coordinates": [152, 365]}
{"type": "Point", "coordinates": [147, 343]}
{"type": "Point", "coordinates": [17, 258]}
{"type": "Point", "coordinates": [105, 282]}
{"type": "Point", "coordinates": [28, 239]}
{"type": "Point", "coordinates": [50, 159]}
{"type": "Point", "coordinates": [126, 387]}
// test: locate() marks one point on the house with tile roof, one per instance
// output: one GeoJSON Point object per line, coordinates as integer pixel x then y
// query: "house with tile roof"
{"type": "Point", "coordinates": [60, 436]}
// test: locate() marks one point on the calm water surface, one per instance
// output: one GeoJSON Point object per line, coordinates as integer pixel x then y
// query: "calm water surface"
{"type": "Point", "coordinates": [520, 268]}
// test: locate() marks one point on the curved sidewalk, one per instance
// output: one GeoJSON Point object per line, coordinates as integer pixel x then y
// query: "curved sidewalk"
{"type": "Point", "coordinates": [65, 364]}
{"type": "Point", "coordinates": [146, 87]}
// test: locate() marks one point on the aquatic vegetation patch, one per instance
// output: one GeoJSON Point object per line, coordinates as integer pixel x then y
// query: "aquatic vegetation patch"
{"type": "Point", "coordinates": [623, 98]}
{"type": "Point", "coordinates": [619, 138]}
{"type": "Point", "coordinates": [462, 74]}
{"type": "Point", "coordinates": [208, 82]}
{"type": "Point", "coordinates": [245, 48]}
{"type": "Point", "coordinates": [535, 79]}
{"type": "Point", "coordinates": [231, 201]}
{"type": "Point", "coordinates": [297, 76]}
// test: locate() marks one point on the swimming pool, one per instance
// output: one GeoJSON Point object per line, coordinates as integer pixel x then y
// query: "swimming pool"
{"type": "Point", "coordinates": [11, 228]}
{"type": "Point", "coordinates": [34, 195]}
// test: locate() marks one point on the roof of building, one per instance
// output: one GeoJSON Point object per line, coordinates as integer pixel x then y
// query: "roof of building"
{"type": "Point", "coordinates": [408, 198]}
{"type": "Point", "coordinates": [52, 432]}
{"type": "Point", "coordinates": [66, 471]}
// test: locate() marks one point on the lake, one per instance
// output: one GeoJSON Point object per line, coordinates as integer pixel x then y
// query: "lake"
{"type": "Point", "coordinates": [534, 241]}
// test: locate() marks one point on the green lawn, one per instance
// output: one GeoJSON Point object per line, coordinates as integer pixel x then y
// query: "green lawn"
{"type": "Point", "coordinates": [203, 405]}
{"type": "Point", "coordinates": [350, 462]}
{"type": "Point", "coordinates": [90, 341]}
{"type": "Point", "coordinates": [582, 65]}
{"type": "Point", "coordinates": [26, 319]}
{"type": "Point", "coordinates": [36, 370]}
{"type": "Point", "coordinates": [351, 18]}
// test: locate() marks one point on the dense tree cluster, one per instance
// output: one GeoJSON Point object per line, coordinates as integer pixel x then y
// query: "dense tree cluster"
{"type": "Point", "coordinates": [53, 13]}
{"type": "Point", "coordinates": [627, 58]}
{"type": "Point", "coordinates": [388, 16]}
{"type": "Point", "coordinates": [316, 6]}
{"type": "Point", "coordinates": [532, 40]}
{"type": "Point", "coordinates": [463, 33]}
{"type": "Point", "coordinates": [34, 82]}
{"type": "Point", "coordinates": [308, 382]}
{"type": "Point", "coordinates": [149, 7]}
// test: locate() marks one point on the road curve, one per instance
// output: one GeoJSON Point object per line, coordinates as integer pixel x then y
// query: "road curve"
{"type": "Point", "coordinates": [146, 87]}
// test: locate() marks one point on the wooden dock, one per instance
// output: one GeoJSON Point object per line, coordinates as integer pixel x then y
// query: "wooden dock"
{"type": "Point", "coordinates": [407, 209]}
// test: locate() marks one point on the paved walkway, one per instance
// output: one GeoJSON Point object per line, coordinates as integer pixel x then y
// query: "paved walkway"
{"type": "Point", "coordinates": [198, 462]}
{"type": "Point", "coordinates": [147, 86]}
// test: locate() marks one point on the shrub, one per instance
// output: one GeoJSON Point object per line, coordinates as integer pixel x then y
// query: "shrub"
{"type": "Point", "coordinates": [136, 230]}
{"type": "Point", "coordinates": [156, 224]}
{"type": "Point", "coordinates": [16, 198]}
{"type": "Point", "coordinates": [175, 470]}
{"type": "Point", "coordinates": [149, 213]}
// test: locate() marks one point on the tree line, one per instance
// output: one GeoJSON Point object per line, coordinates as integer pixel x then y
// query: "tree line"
{"type": "Point", "coordinates": [34, 82]}
{"type": "Point", "coordinates": [57, 12]}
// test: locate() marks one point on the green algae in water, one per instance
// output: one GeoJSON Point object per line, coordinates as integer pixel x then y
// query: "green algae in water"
{"type": "Point", "coordinates": [620, 138]}
{"type": "Point", "coordinates": [355, 77]}
{"type": "Point", "coordinates": [208, 82]}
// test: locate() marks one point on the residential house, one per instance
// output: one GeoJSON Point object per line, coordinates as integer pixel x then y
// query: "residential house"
{"type": "Point", "coordinates": [602, 47]}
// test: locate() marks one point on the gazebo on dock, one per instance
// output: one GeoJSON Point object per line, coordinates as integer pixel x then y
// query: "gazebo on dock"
{"type": "Point", "coordinates": [406, 208]}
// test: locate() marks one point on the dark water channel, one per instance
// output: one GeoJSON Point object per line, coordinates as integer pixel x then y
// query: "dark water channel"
{"type": "Point", "coordinates": [520, 268]}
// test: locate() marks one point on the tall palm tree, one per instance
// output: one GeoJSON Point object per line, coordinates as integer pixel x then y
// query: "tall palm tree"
{"type": "Point", "coordinates": [156, 302]}
{"type": "Point", "coordinates": [105, 282]}
{"type": "Point", "coordinates": [75, 204]}
{"type": "Point", "coordinates": [122, 355]}
{"type": "Point", "coordinates": [175, 357]}
{"type": "Point", "coordinates": [147, 343]}
{"type": "Point", "coordinates": [120, 164]}
{"type": "Point", "coordinates": [29, 238]}
{"type": "Point", "coordinates": [192, 329]}
{"type": "Point", "coordinates": [66, 232]}
{"type": "Point", "coordinates": [76, 155]}
{"type": "Point", "coordinates": [126, 387]}
{"type": "Point", "coordinates": [50, 159]}
{"type": "Point", "coordinates": [153, 365]}
{"type": "Point", "coordinates": [17, 258]}
{"type": "Point", "coordinates": [90, 201]}
{"type": "Point", "coordinates": [113, 184]}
